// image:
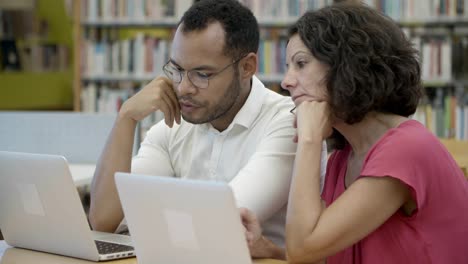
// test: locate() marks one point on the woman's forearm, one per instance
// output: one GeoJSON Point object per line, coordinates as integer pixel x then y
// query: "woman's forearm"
{"type": "Point", "coordinates": [304, 206]}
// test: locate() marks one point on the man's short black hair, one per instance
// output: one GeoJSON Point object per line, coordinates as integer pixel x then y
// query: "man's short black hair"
{"type": "Point", "coordinates": [240, 25]}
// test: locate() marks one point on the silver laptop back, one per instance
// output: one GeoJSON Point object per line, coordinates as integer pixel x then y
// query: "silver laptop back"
{"type": "Point", "coordinates": [40, 208]}
{"type": "Point", "coordinates": [182, 221]}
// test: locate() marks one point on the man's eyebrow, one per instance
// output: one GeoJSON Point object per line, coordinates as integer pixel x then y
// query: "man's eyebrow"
{"type": "Point", "coordinates": [198, 68]}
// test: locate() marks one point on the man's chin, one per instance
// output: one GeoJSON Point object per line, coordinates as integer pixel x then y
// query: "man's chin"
{"type": "Point", "coordinates": [194, 120]}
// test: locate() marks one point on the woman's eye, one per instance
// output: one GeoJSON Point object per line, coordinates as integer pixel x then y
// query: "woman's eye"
{"type": "Point", "coordinates": [300, 64]}
{"type": "Point", "coordinates": [202, 75]}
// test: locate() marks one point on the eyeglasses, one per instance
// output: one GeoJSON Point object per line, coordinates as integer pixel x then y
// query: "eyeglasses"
{"type": "Point", "coordinates": [198, 78]}
{"type": "Point", "coordinates": [293, 111]}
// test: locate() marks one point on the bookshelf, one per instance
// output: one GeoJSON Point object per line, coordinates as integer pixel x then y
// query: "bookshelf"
{"type": "Point", "coordinates": [36, 37]}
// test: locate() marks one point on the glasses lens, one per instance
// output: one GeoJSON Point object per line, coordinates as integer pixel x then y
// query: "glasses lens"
{"type": "Point", "coordinates": [171, 72]}
{"type": "Point", "coordinates": [293, 111]}
{"type": "Point", "coordinates": [198, 79]}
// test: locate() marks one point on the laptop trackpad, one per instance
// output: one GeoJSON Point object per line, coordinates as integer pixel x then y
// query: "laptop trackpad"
{"type": "Point", "coordinates": [113, 238]}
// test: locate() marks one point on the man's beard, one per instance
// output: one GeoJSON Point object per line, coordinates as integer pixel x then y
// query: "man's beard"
{"type": "Point", "coordinates": [225, 104]}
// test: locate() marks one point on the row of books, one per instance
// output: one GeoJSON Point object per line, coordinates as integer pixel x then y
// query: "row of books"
{"type": "Point", "coordinates": [414, 10]}
{"type": "Point", "coordinates": [104, 98]}
{"type": "Point", "coordinates": [156, 10]}
{"type": "Point", "coordinates": [436, 58]}
{"type": "Point", "coordinates": [33, 57]}
{"type": "Point", "coordinates": [141, 56]}
{"type": "Point", "coordinates": [283, 9]}
{"type": "Point", "coordinates": [25, 45]}
{"type": "Point", "coordinates": [144, 56]}
{"type": "Point", "coordinates": [109, 98]}
{"type": "Point", "coordinates": [443, 58]}
{"type": "Point", "coordinates": [133, 10]}
{"type": "Point", "coordinates": [272, 56]}
{"type": "Point", "coordinates": [445, 112]}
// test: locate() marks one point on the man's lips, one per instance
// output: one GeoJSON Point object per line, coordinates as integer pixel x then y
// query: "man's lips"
{"type": "Point", "coordinates": [188, 106]}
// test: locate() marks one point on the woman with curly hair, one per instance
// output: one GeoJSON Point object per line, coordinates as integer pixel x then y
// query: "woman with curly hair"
{"type": "Point", "coordinates": [393, 193]}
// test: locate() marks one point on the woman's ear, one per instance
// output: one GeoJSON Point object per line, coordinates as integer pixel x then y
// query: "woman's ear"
{"type": "Point", "coordinates": [248, 65]}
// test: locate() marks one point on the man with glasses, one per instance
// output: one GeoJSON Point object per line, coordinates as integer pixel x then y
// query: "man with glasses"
{"type": "Point", "coordinates": [232, 129]}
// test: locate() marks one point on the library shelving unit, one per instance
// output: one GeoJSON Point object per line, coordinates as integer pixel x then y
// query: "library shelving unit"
{"type": "Point", "coordinates": [35, 45]}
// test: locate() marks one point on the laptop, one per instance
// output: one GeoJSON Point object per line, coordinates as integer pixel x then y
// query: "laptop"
{"type": "Point", "coordinates": [182, 221]}
{"type": "Point", "coordinates": [40, 209]}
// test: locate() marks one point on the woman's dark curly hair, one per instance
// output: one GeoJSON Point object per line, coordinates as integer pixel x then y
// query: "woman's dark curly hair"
{"type": "Point", "coordinates": [373, 66]}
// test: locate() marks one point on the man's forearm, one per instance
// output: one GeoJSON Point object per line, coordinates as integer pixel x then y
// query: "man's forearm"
{"type": "Point", "coordinates": [105, 210]}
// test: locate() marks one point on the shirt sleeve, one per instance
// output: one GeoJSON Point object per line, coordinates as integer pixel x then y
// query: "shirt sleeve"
{"type": "Point", "coordinates": [262, 185]}
{"type": "Point", "coordinates": [404, 159]}
{"type": "Point", "coordinates": [153, 156]}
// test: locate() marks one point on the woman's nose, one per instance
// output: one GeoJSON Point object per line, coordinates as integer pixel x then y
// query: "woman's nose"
{"type": "Point", "coordinates": [289, 81]}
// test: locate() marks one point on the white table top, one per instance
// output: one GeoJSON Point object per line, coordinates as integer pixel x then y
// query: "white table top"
{"type": "Point", "coordinates": [22, 256]}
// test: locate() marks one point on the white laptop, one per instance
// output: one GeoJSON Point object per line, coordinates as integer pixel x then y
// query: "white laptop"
{"type": "Point", "coordinates": [40, 209]}
{"type": "Point", "coordinates": [182, 221]}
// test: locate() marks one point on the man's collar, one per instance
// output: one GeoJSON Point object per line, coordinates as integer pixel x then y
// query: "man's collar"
{"type": "Point", "coordinates": [252, 106]}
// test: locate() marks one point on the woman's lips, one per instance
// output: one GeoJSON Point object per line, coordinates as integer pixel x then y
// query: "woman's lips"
{"type": "Point", "coordinates": [295, 99]}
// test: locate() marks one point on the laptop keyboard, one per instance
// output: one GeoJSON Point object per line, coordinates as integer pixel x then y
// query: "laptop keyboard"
{"type": "Point", "coordinates": [105, 248]}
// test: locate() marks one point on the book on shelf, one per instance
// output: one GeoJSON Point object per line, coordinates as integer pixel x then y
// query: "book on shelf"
{"type": "Point", "coordinates": [18, 24]}
{"type": "Point", "coordinates": [2, 25]}
{"type": "Point", "coordinates": [10, 59]}
{"type": "Point", "coordinates": [460, 57]}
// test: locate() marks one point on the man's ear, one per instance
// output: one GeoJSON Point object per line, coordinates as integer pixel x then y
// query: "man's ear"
{"type": "Point", "coordinates": [248, 65]}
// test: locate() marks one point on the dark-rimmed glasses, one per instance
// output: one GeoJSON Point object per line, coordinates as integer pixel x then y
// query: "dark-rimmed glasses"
{"type": "Point", "coordinates": [198, 78]}
{"type": "Point", "coordinates": [293, 111]}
